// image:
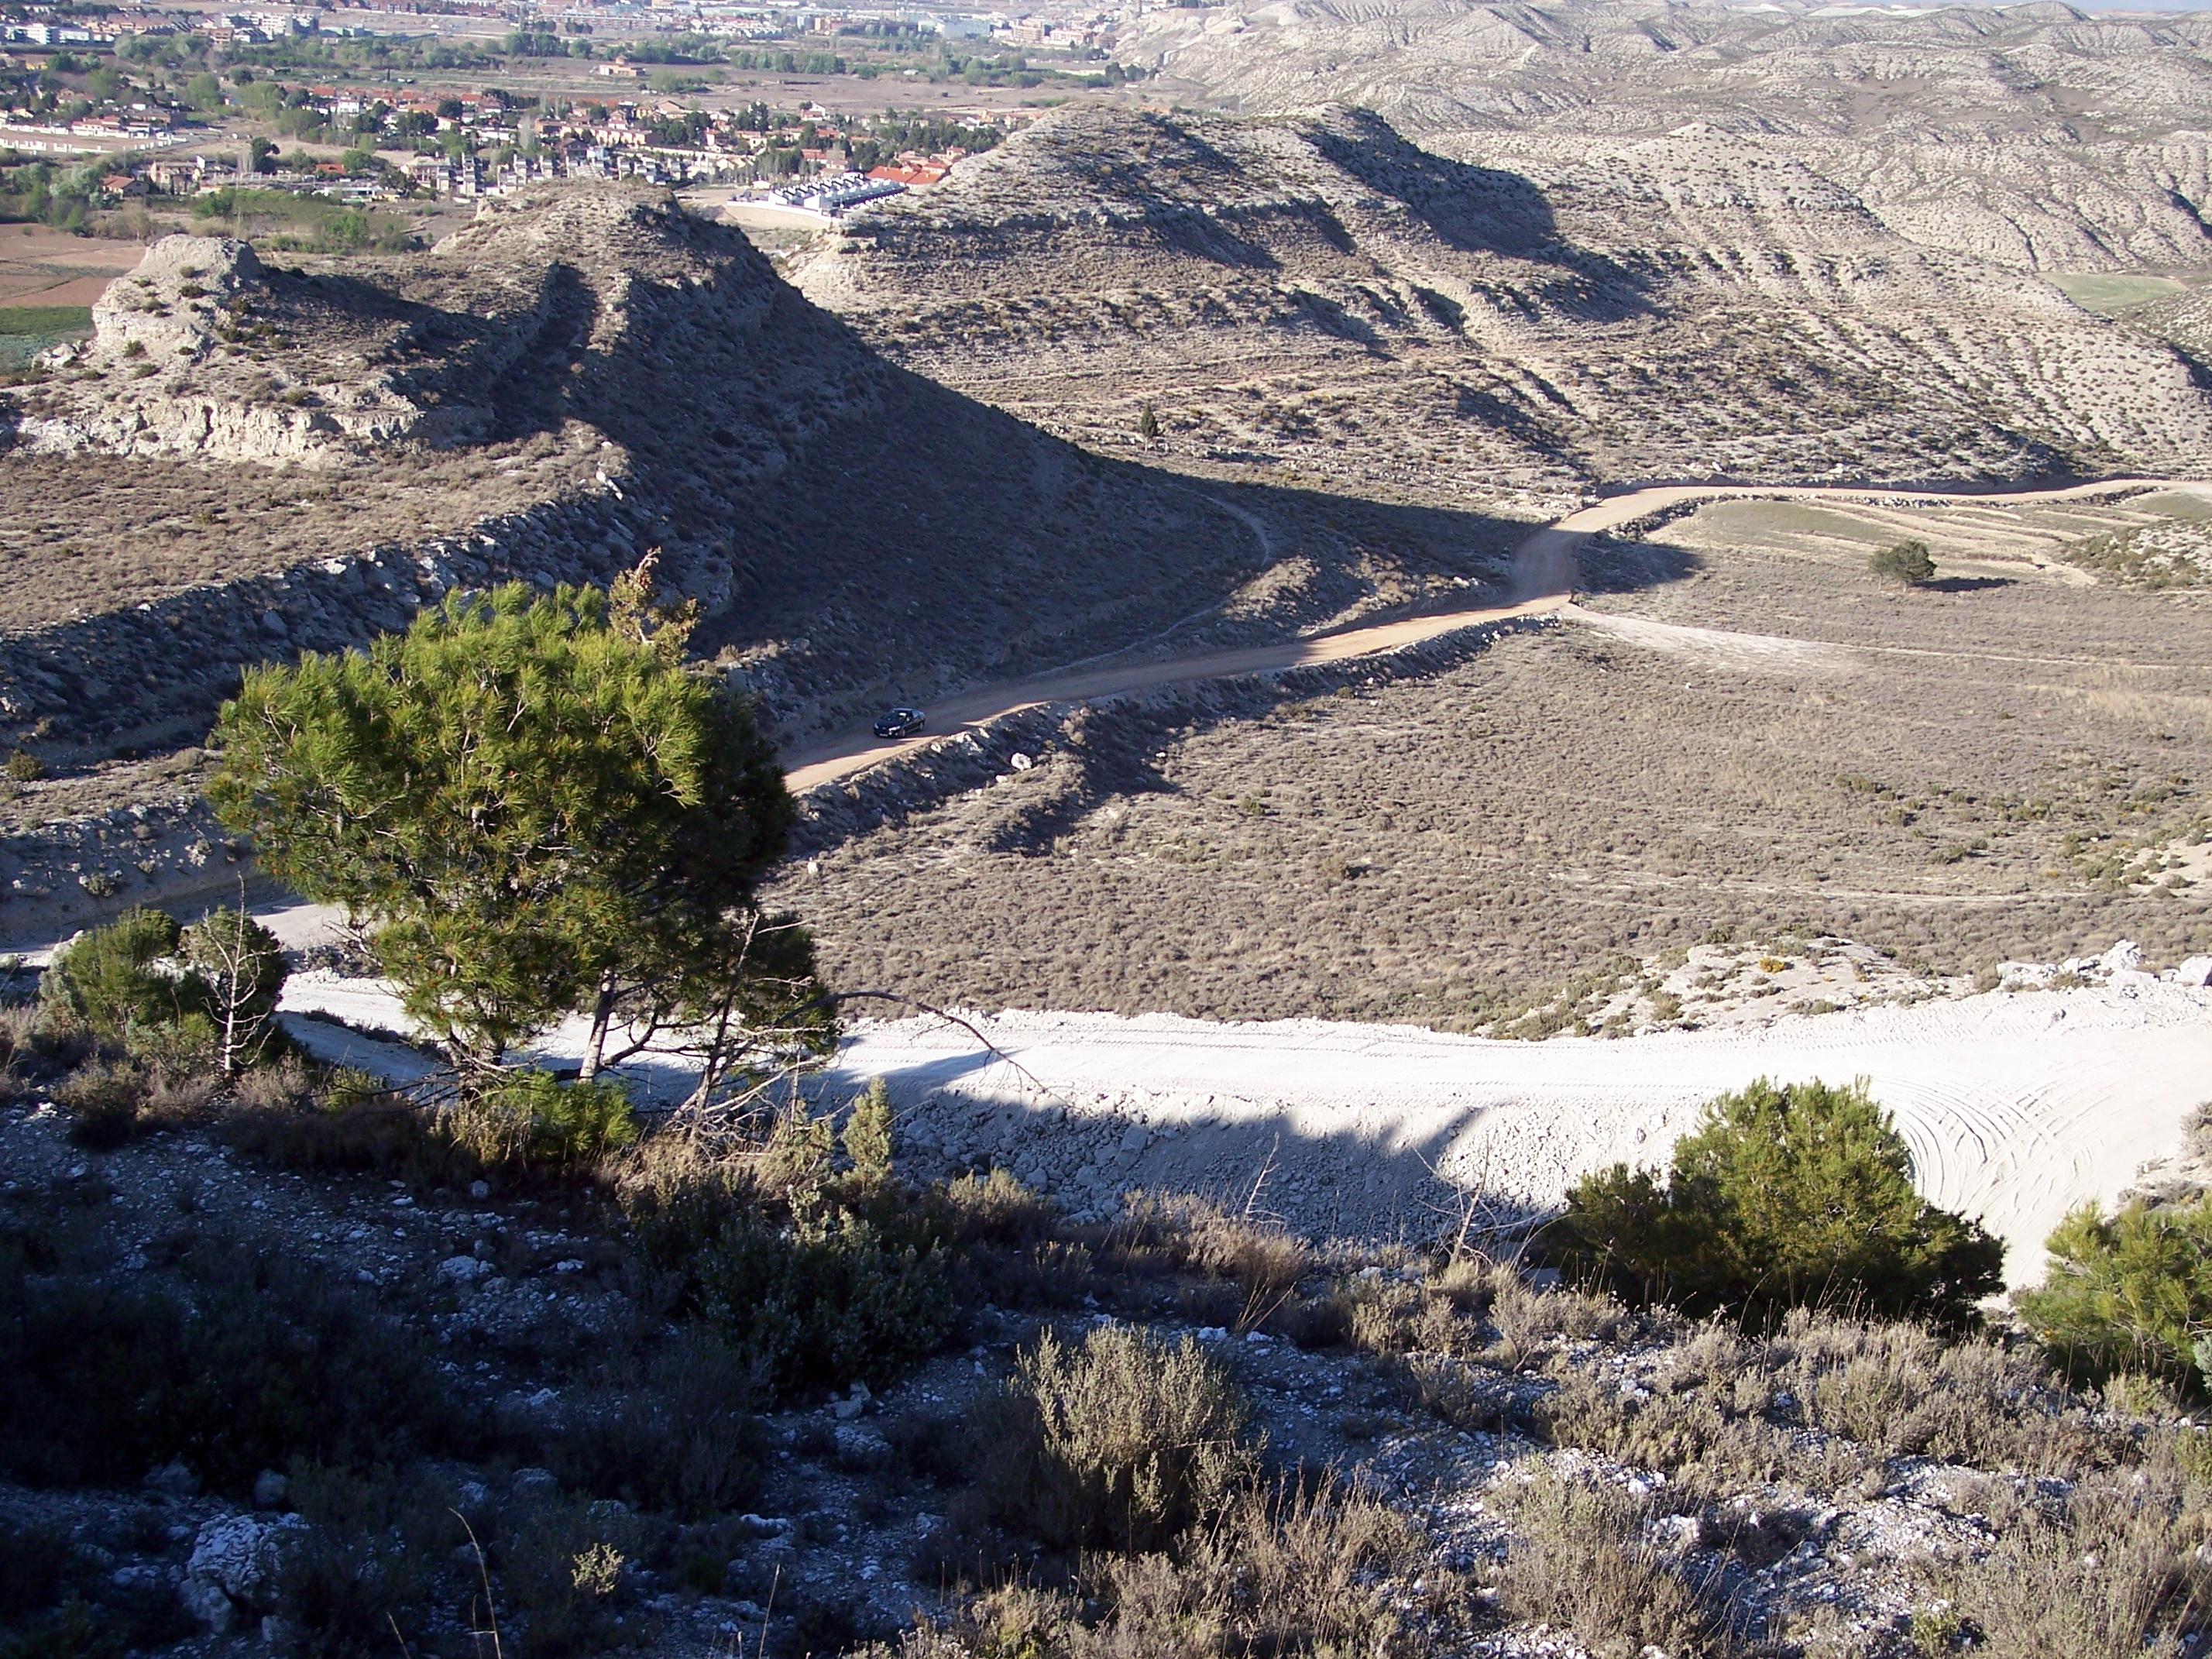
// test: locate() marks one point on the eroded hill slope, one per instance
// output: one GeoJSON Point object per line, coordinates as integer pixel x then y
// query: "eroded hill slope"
{"type": "Point", "coordinates": [1317, 293]}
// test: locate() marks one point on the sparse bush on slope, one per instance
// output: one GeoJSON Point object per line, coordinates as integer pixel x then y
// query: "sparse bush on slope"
{"type": "Point", "coordinates": [1119, 1441]}
{"type": "Point", "coordinates": [2130, 1292]}
{"type": "Point", "coordinates": [1784, 1197]}
{"type": "Point", "coordinates": [1299, 1573]}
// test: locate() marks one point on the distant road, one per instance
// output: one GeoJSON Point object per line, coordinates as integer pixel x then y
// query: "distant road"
{"type": "Point", "coordinates": [1542, 582]}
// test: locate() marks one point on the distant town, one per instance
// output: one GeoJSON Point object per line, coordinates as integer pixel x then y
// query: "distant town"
{"type": "Point", "coordinates": [813, 111]}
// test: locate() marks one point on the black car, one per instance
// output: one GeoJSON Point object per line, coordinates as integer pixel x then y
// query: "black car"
{"type": "Point", "coordinates": [899, 723]}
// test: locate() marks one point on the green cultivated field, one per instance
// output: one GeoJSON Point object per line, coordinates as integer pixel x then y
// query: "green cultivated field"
{"type": "Point", "coordinates": [2106, 292]}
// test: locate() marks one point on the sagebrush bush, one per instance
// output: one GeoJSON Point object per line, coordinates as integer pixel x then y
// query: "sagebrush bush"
{"type": "Point", "coordinates": [1784, 1197]}
{"type": "Point", "coordinates": [2131, 1291]}
{"type": "Point", "coordinates": [2112, 1572]}
{"type": "Point", "coordinates": [1581, 1562]}
{"type": "Point", "coordinates": [819, 1297]}
{"type": "Point", "coordinates": [1263, 1260]}
{"type": "Point", "coordinates": [1299, 1572]}
{"type": "Point", "coordinates": [994, 1208]}
{"type": "Point", "coordinates": [1119, 1441]}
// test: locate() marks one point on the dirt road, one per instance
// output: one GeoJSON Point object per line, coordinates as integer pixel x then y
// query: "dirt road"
{"type": "Point", "coordinates": [1541, 583]}
{"type": "Point", "coordinates": [2018, 1106]}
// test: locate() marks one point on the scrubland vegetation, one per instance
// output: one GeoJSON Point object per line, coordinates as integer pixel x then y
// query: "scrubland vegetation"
{"type": "Point", "coordinates": [1416, 1452]}
{"type": "Point", "coordinates": [1513, 839]}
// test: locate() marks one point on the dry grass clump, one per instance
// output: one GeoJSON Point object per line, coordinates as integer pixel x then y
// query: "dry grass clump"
{"type": "Point", "coordinates": [1580, 1562]}
{"type": "Point", "coordinates": [2113, 1570]}
{"type": "Point", "coordinates": [1300, 1571]}
{"type": "Point", "coordinates": [1901, 1390]}
{"type": "Point", "coordinates": [1263, 1259]}
{"type": "Point", "coordinates": [1122, 1441]}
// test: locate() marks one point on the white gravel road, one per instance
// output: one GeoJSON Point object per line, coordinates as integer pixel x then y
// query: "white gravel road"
{"type": "Point", "coordinates": [2017, 1105]}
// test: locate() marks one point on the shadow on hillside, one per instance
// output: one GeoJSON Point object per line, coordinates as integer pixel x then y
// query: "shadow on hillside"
{"type": "Point", "coordinates": [877, 535]}
{"type": "Point", "coordinates": [1487, 210]}
{"type": "Point", "coordinates": [918, 540]}
{"type": "Point", "coordinates": [1362, 1181]}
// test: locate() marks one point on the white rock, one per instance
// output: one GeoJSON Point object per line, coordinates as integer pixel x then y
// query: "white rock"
{"type": "Point", "coordinates": [270, 1490]}
{"type": "Point", "coordinates": [203, 1599]}
{"type": "Point", "coordinates": [243, 1554]}
{"type": "Point", "coordinates": [2196, 970]}
{"type": "Point", "coordinates": [463, 1269]}
{"type": "Point", "coordinates": [2124, 957]}
{"type": "Point", "coordinates": [850, 1408]}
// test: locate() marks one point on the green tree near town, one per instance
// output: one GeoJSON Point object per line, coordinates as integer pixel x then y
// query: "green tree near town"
{"type": "Point", "coordinates": [531, 806]}
{"type": "Point", "coordinates": [1784, 1196]}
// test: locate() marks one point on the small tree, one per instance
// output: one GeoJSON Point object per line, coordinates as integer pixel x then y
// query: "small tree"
{"type": "Point", "coordinates": [1784, 1197]}
{"type": "Point", "coordinates": [2130, 1292]}
{"type": "Point", "coordinates": [1907, 564]}
{"type": "Point", "coordinates": [114, 978]}
{"type": "Point", "coordinates": [868, 1134]}
{"type": "Point", "coordinates": [535, 808]}
{"type": "Point", "coordinates": [242, 969]}
{"type": "Point", "coordinates": [1148, 423]}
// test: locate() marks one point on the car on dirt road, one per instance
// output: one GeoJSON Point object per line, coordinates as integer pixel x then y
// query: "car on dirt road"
{"type": "Point", "coordinates": [899, 722]}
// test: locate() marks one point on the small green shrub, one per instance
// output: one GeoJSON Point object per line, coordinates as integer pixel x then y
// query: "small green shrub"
{"type": "Point", "coordinates": [545, 1124]}
{"type": "Point", "coordinates": [1784, 1197]}
{"type": "Point", "coordinates": [1907, 564]}
{"type": "Point", "coordinates": [868, 1135]}
{"type": "Point", "coordinates": [1120, 1442]}
{"type": "Point", "coordinates": [109, 979]}
{"type": "Point", "coordinates": [818, 1297]}
{"type": "Point", "coordinates": [24, 766]}
{"type": "Point", "coordinates": [2130, 1292]}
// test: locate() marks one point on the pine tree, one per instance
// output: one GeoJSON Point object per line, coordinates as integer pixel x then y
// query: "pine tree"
{"type": "Point", "coordinates": [1783, 1197]}
{"type": "Point", "coordinates": [868, 1134]}
{"type": "Point", "coordinates": [534, 806]}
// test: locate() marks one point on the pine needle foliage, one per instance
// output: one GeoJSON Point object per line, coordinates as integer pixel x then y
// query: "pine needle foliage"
{"type": "Point", "coordinates": [1785, 1196]}
{"type": "Point", "coordinates": [528, 799]}
{"type": "Point", "coordinates": [2130, 1292]}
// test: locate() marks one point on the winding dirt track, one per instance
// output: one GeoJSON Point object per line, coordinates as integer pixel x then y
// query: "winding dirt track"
{"type": "Point", "coordinates": [1542, 584]}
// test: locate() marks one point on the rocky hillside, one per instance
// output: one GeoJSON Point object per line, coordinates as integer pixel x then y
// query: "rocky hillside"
{"type": "Point", "coordinates": [2034, 136]}
{"type": "Point", "coordinates": [1317, 294]}
{"type": "Point", "coordinates": [253, 458]}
